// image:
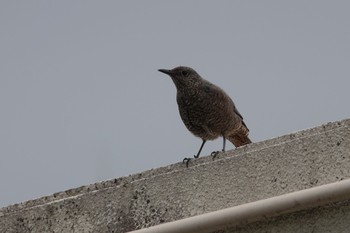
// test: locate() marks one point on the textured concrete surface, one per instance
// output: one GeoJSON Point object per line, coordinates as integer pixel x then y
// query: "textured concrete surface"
{"type": "Point", "coordinates": [273, 167]}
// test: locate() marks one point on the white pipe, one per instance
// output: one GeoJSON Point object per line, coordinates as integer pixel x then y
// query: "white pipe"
{"type": "Point", "coordinates": [257, 210]}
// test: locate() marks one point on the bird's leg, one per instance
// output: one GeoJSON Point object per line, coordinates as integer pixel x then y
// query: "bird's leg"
{"type": "Point", "coordinates": [200, 149]}
{"type": "Point", "coordinates": [187, 160]}
{"type": "Point", "coordinates": [215, 153]}
{"type": "Point", "coordinates": [223, 144]}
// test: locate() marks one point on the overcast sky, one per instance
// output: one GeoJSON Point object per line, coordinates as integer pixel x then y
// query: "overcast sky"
{"type": "Point", "coordinates": [81, 99]}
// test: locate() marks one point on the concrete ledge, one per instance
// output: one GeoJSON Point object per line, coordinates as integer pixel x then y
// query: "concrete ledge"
{"type": "Point", "coordinates": [261, 170]}
{"type": "Point", "coordinates": [330, 218]}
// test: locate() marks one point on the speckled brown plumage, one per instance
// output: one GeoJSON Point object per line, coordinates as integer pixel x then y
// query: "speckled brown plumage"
{"type": "Point", "coordinates": [206, 110]}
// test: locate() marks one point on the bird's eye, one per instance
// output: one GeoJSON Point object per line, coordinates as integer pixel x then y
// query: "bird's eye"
{"type": "Point", "coordinates": [184, 73]}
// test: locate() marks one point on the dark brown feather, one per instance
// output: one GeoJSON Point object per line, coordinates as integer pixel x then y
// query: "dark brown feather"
{"type": "Point", "coordinates": [206, 110]}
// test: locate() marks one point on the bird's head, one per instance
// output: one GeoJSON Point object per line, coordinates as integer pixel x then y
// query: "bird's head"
{"type": "Point", "coordinates": [183, 77]}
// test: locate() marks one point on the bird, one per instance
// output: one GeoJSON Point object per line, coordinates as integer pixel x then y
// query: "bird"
{"type": "Point", "coordinates": [206, 110]}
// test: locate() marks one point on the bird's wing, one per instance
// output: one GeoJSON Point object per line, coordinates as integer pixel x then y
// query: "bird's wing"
{"type": "Point", "coordinates": [236, 111]}
{"type": "Point", "coordinates": [240, 115]}
{"type": "Point", "coordinates": [211, 88]}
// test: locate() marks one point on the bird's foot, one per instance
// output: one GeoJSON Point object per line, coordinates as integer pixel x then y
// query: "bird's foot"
{"type": "Point", "coordinates": [215, 153]}
{"type": "Point", "coordinates": [186, 160]}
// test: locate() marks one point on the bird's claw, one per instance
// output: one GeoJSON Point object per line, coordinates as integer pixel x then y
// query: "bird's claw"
{"type": "Point", "coordinates": [214, 154]}
{"type": "Point", "coordinates": [186, 160]}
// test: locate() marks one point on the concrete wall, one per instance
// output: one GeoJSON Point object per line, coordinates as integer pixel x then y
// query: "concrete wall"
{"type": "Point", "coordinates": [273, 167]}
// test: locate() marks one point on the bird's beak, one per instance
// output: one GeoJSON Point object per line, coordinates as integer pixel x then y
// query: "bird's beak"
{"type": "Point", "coordinates": [168, 72]}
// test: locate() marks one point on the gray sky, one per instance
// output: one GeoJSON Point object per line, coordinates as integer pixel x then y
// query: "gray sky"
{"type": "Point", "coordinates": [81, 99]}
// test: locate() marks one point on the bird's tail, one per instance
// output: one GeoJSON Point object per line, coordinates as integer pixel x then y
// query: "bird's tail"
{"type": "Point", "coordinates": [240, 137]}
